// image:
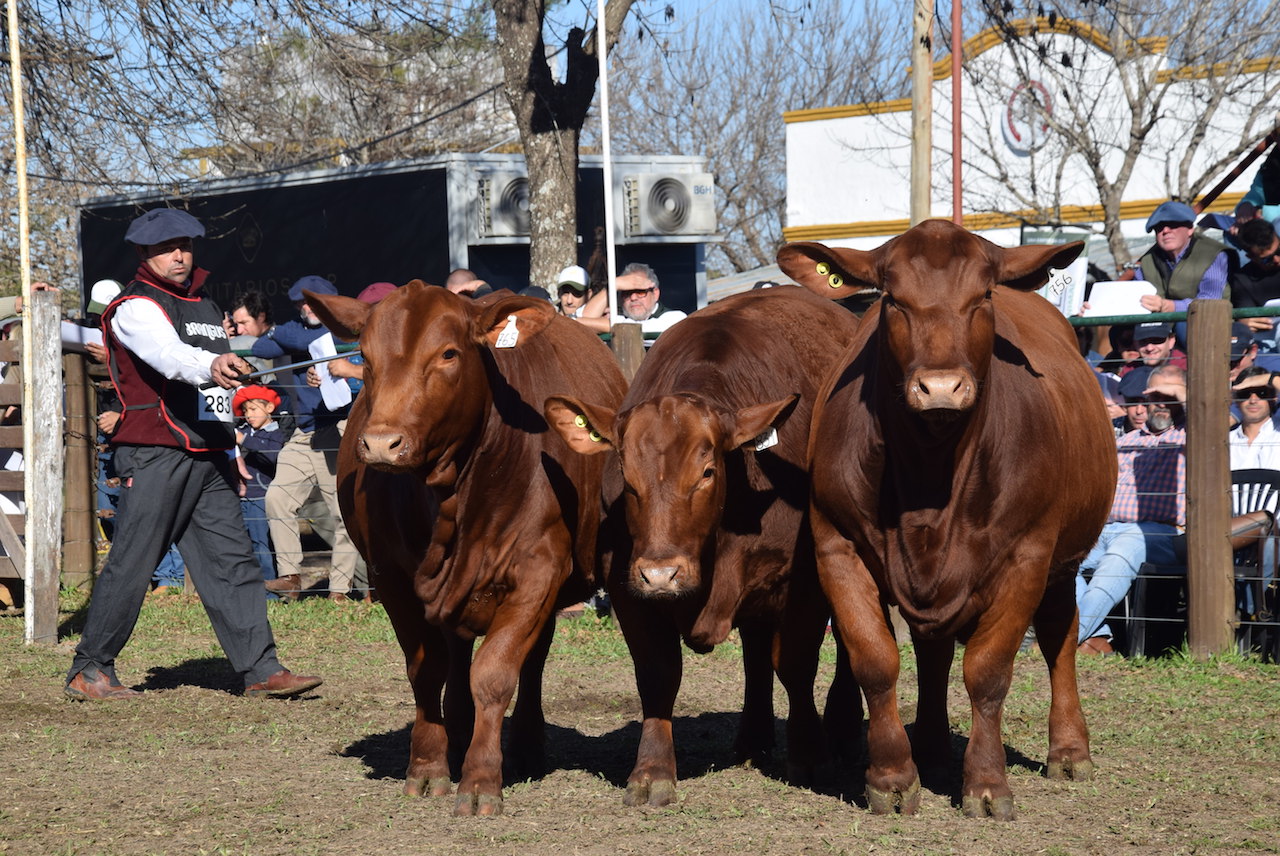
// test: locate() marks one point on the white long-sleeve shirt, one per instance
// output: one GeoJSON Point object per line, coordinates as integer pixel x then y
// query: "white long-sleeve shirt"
{"type": "Point", "coordinates": [141, 326]}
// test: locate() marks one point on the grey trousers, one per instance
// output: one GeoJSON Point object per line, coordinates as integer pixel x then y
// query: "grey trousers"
{"type": "Point", "coordinates": [168, 496]}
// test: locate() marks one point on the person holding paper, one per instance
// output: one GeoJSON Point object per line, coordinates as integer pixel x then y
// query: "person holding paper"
{"type": "Point", "coordinates": [309, 458]}
{"type": "Point", "coordinates": [174, 372]}
{"type": "Point", "coordinates": [1182, 265]}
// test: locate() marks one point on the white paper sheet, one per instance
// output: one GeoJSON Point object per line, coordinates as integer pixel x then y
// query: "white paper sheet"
{"type": "Point", "coordinates": [1118, 298]}
{"type": "Point", "coordinates": [75, 337]}
{"type": "Point", "coordinates": [336, 391]}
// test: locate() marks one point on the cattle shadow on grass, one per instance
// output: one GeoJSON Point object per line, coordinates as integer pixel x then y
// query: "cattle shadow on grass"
{"type": "Point", "coordinates": [704, 744]}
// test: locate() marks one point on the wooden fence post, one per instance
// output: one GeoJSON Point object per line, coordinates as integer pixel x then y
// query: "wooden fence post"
{"type": "Point", "coordinates": [78, 550]}
{"type": "Point", "coordinates": [628, 348]}
{"type": "Point", "coordinates": [42, 421]}
{"type": "Point", "coordinates": [1210, 578]}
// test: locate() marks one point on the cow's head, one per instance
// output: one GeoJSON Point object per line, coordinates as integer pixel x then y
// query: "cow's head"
{"type": "Point", "coordinates": [937, 322]}
{"type": "Point", "coordinates": [424, 352]}
{"type": "Point", "coordinates": [672, 450]}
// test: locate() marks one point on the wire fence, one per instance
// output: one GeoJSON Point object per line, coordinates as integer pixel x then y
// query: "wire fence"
{"type": "Point", "coordinates": [1152, 618]}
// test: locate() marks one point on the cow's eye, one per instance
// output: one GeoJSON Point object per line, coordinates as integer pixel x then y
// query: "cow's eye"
{"type": "Point", "coordinates": [987, 296]}
{"type": "Point", "coordinates": [449, 354]}
{"type": "Point", "coordinates": [709, 472]}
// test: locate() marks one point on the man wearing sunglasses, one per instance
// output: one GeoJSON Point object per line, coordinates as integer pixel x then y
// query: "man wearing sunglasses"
{"type": "Point", "coordinates": [638, 295]}
{"type": "Point", "coordinates": [1182, 265]}
{"type": "Point", "coordinates": [1255, 443]}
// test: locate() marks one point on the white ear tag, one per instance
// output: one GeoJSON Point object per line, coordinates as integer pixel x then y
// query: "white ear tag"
{"type": "Point", "coordinates": [509, 335]}
{"type": "Point", "coordinates": [767, 439]}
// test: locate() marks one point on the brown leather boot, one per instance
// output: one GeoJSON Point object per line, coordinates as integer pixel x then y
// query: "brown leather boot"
{"type": "Point", "coordinates": [97, 688]}
{"type": "Point", "coordinates": [288, 587]}
{"type": "Point", "coordinates": [283, 684]}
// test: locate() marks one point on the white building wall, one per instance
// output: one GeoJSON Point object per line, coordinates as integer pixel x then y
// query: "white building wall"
{"type": "Point", "coordinates": [848, 168]}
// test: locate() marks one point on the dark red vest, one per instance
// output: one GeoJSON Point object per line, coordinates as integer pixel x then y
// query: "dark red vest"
{"type": "Point", "coordinates": [159, 411]}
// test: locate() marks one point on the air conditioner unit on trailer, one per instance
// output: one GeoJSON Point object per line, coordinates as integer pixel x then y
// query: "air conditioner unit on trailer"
{"type": "Point", "coordinates": [504, 205]}
{"type": "Point", "coordinates": [670, 204]}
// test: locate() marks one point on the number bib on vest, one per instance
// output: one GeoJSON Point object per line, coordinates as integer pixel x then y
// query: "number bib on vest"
{"type": "Point", "coordinates": [215, 405]}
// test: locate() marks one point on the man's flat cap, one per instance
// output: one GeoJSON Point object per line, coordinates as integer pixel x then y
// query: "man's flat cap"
{"type": "Point", "coordinates": [163, 224]}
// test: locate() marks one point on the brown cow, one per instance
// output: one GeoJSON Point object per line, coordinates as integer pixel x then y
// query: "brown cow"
{"type": "Point", "coordinates": [712, 439]}
{"type": "Point", "coordinates": [473, 516]}
{"type": "Point", "coordinates": [960, 453]}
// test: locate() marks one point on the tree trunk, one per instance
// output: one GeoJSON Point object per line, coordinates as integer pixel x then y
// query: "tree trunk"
{"type": "Point", "coordinates": [550, 115]}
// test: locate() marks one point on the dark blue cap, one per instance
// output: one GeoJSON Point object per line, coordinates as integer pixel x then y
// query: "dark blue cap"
{"type": "Point", "coordinates": [1171, 212]}
{"type": "Point", "coordinates": [1134, 384]}
{"type": "Point", "coordinates": [313, 284]}
{"type": "Point", "coordinates": [163, 224]}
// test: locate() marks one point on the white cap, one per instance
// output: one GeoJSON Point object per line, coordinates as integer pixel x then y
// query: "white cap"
{"type": "Point", "coordinates": [103, 292]}
{"type": "Point", "coordinates": [575, 275]}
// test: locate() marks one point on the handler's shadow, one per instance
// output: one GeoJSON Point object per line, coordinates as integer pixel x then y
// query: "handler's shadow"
{"type": "Point", "coordinates": [210, 673]}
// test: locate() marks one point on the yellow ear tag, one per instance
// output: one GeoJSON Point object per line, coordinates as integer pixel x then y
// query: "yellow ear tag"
{"type": "Point", "coordinates": [595, 436]}
{"type": "Point", "coordinates": [835, 280]}
{"type": "Point", "coordinates": [580, 421]}
{"type": "Point", "coordinates": [823, 268]}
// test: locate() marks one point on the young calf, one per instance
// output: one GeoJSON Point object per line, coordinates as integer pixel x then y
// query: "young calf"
{"type": "Point", "coordinates": [711, 530]}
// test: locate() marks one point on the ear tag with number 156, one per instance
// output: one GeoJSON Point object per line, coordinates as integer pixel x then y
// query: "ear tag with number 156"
{"type": "Point", "coordinates": [507, 338]}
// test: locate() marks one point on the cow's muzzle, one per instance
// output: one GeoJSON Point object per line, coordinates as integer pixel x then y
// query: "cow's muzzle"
{"type": "Point", "coordinates": [665, 577]}
{"type": "Point", "coordinates": [941, 390]}
{"type": "Point", "coordinates": [389, 449]}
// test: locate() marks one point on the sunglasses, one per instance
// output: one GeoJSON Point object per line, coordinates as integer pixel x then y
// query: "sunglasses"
{"type": "Point", "coordinates": [1264, 393]}
{"type": "Point", "coordinates": [638, 292]}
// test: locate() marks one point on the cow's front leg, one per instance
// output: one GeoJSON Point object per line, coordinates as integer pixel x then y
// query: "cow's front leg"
{"type": "Point", "coordinates": [988, 670]}
{"type": "Point", "coordinates": [527, 741]}
{"type": "Point", "coordinates": [655, 654]}
{"type": "Point", "coordinates": [428, 772]}
{"type": "Point", "coordinates": [795, 657]}
{"type": "Point", "coordinates": [494, 674]}
{"type": "Point", "coordinates": [754, 742]}
{"type": "Point", "coordinates": [427, 664]}
{"type": "Point", "coordinates": [893, 783]}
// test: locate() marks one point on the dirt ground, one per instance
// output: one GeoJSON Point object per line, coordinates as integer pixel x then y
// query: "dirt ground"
{"type": "Point", "coordinates": [1188, 758]}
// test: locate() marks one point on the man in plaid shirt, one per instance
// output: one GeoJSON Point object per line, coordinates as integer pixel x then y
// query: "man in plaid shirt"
{"type": "Point", "coordinates": [1149, 507]}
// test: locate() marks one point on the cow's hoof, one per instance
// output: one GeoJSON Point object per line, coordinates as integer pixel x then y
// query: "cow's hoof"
{"type": "Point", "coordinates": [477, 805]}
{"type": "Point", "coordinates": [438, 786]}
{"type": "Point", "coordinates": [906, 801]}
{"type": "Point", "coordinates": [1066, 768]}
{"type": "Point", "coordinates": [975, 805]}
{"type": "Point", "coordinates": [655, 793]}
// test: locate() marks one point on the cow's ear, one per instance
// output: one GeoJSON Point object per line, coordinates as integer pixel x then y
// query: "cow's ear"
{"type": "Point", "coordinates": [1027, 268]}
{"type": "Point", "coordinates": [753, 425]}
{"type": "Point", "coordinates": [828, 272]}
{"type": "Point", "coordinates": [586, 428]}
{"type": "Point", "coordinates": [344, 316]}
{"type": "Point", "coordinates": [527, 316]}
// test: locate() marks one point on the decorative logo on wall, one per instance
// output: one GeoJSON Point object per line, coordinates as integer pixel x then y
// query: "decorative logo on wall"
{"type": "Point", "coordinates": [249, 237]}
{"type": "Point", "coordinates": [1025, 123]}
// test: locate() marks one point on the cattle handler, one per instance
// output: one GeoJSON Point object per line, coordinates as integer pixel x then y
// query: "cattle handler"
{"type": "Point", "coordinates": [171, 364]}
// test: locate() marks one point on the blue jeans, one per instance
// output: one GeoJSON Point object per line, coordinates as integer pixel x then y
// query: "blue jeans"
{"type": "Point", "coordinates": [255, 522]}
{"type": "Point", "coordinates": [1114, 562]}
